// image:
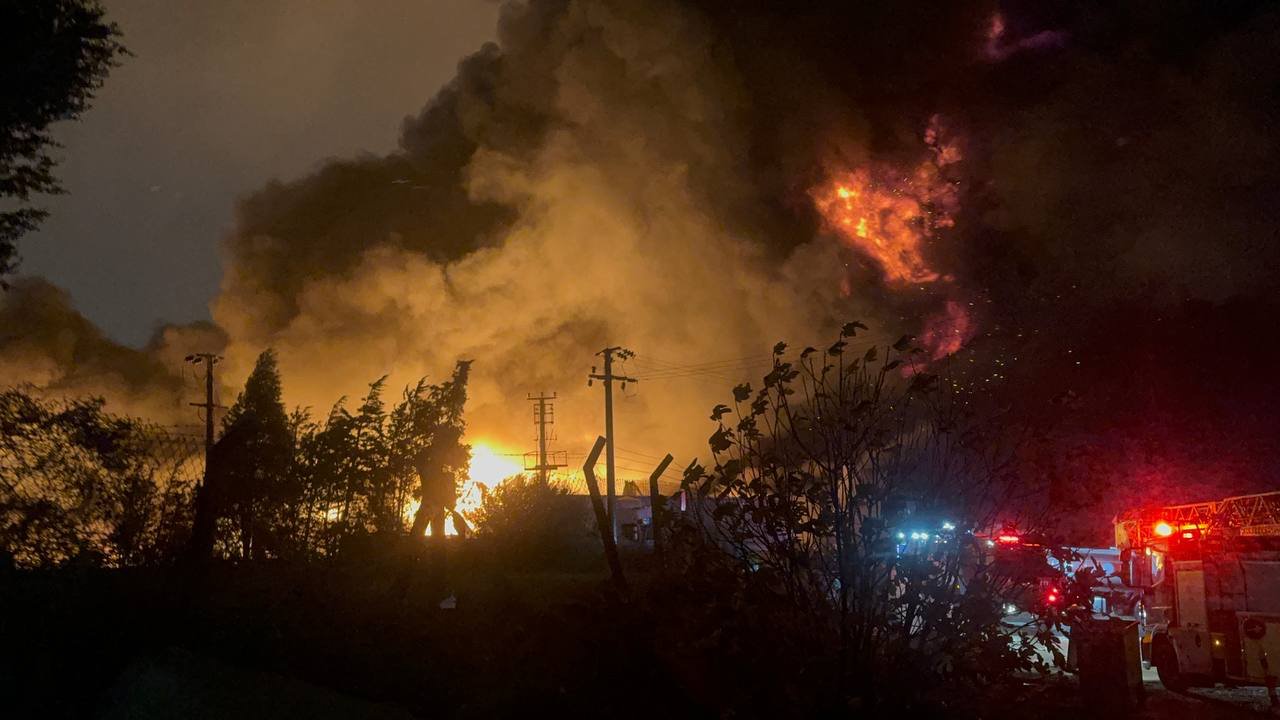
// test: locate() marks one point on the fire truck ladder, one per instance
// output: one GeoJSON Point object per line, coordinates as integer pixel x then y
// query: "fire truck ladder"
{"type": "Point", "coordinates": [1244, 516]}
{"type": "Point", "coordinates": [1251, 515]}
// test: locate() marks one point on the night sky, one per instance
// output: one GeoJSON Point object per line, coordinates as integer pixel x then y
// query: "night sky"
{"type": "Point", "coordinates": [218, 98]}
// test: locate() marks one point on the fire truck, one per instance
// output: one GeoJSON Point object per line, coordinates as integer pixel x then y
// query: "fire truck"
{"type": "Point", "coordinates": [1210, 579]}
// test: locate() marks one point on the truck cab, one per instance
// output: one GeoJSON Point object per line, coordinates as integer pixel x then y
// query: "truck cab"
{"type": "Point", "coordinates": [1210, 577]}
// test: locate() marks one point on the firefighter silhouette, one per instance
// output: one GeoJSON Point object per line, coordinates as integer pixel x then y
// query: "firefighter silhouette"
{"type": "Point", "coordinates": [437, 466]}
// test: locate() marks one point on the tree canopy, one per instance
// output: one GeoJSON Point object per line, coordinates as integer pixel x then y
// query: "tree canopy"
{"type": "Point", "coordinates": [846, 500]}
{"type": "Point", "coordinates": [54, 55]}
{"type": "Point", "coordinates": [249, 466]}
{"type": "Point", "coordinates": [79, 484]}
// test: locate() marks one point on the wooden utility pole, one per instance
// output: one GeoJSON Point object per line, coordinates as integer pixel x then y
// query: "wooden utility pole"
{"type": "Point", "coordinates": [209, 360]}
{"type": "Point", "coordinates": [203, 524]}
{"type": "Point", "coordinates": [611, 488]}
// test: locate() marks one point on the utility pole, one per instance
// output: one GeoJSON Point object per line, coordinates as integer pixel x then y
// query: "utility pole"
{"type": "Point", "coordinates": [608, 377]}
{"type": "Point", "coordinates": [209, 360]}
{"type": "Point", "coordinates": [203, 524]}
{"type": "Point", "coordinates": [543, 415]}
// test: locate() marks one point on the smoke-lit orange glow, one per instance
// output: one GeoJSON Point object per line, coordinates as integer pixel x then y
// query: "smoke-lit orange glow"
{"type": "Point", "coordinates": [489, 466]}
{"type": "Point", "coordinates": [891, 215]}
{"type": "Point", "coordinates": [995, 33]}
{"type": "Point", "coordinates": [946, 332]}
{"type": "Point", "coordinates": [999, 45]}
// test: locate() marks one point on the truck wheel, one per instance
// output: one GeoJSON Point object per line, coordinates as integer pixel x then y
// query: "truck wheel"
{"type": "Point", "coordinates": [1166, 662]}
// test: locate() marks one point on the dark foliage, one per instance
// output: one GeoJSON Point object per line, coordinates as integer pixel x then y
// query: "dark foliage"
{"type": "Point", "coordinates": [839, 535]}
{"type": "Point", "coordinates": [249, 473]}
{"type": "Point", "coordinates": [54, 55]}
{"type": "Point", "coordinates": [80, 485]}
{"type": "Point", "coordinates": [77, 483]}
{"type": "Point", "coordinates": [528, 523]}
{"type": "Point", "coordinates": [785, 589]}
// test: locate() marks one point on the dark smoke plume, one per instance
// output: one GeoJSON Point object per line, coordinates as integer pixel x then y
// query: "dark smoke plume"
{"type": "Point", "coordinates": [614, 172]}
{"type": "Point", "coordinates": [617, 172]}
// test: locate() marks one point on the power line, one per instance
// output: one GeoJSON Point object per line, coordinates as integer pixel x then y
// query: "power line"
{"type": "Point", "coordinates": [727, 376]}
{"type": "Point", "coordinates": [706, 366]}
{"type": "Point", "coordinates": [723, 369]}
{"type": "Point", "coordinates": [661, 368]}
{"type": "Point", "coordinates": [650, 359]}
{"type": "Point", "coordinates": [637, 452]}
{"type": "Point", "coordinates": [702, 371]}
{"type": "Point", "coordinates": [667, 474]}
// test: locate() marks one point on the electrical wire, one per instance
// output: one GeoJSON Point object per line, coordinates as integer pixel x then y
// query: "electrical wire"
{"type": "Point", "coordinates": [725, 370]}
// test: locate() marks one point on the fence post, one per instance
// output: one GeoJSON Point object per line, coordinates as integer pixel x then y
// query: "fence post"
{"type": "Point", "coordinates": [603, 521]}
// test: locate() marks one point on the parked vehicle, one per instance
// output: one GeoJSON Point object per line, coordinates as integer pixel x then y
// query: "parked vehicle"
{"type": "Point", "coordinates": [1210, 580]}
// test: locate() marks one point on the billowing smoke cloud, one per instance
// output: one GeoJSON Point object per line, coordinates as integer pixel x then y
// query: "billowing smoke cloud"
{"type": "Point", "coordinates": [612, 172]}
{"type": "Point", "coordinates": [586, 185]}
{"type": "Point", "coordinates": [48, 345]}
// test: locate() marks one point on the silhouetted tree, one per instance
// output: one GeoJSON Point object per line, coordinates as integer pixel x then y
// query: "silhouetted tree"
{"type": "Point", "coordinates": [411, 425]}
{"type": "Point", "coordinates": [343, 472]}
{"type": "Point", "coordinates": [79, 483]}
{"type": "Point", "coordinates": [372, 464]}
{"type": "Point", "coordinates": [357, 473]}
{"type": "Point", "coordinates": [54, 54]}
{"type": "Point", "coordinates": [528, 522]}
{"type": "Point", "coordinates": [845, 497]}
{"type": "Point", "coordinates": [250, 465]}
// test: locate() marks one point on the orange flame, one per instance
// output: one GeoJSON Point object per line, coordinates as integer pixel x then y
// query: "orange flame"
{"type": "Point", "coordinates": [882, 222]}
{"type": "Point", "coordinates": [891, 216]}
{"type": "Point", "coordinates": [488, 469]}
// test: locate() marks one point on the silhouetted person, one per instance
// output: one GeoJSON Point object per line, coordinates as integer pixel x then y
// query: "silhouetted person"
{"type": "Point", "coordinates": [437, 465]}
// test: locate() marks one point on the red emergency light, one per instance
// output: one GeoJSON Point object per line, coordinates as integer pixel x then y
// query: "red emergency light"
{"type": "Point", "coordinates": [1008, 539]}
{"type": "Point", "coordinates": [1051, 597]}
{"type": "Point", "coordinates": [1189, 533]}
